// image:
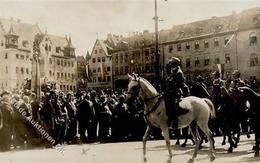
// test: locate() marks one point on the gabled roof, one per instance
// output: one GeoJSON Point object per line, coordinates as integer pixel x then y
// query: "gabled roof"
{"type": "Point", "coordinates": [104, 46]}
{"type": "Point", "coordinates": [26, 32]}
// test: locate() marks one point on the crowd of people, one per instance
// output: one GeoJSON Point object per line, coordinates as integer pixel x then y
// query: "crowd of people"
{"type": "Point", "coordinates": [92, 115]}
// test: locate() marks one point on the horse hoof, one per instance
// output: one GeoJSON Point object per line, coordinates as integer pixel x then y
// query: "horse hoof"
{"type": "Point", "coordinates": [190, 160]}
{"type": "Point", "coordinates": [177, 143]}
{"type": "Point", "coordinates": [183, 145]}
{"type": "Point", "coordinates": [212, 158]}
{"type": "Point", "coordinates": [230, 150]}
{"type": "Point", "coordinates": [235, 145]}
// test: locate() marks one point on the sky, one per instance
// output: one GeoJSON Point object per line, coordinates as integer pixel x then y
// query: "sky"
{"type": "Point", "coordinates": [87, 20]}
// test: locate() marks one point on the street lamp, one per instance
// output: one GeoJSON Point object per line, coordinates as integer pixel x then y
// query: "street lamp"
{"type": "Point", "coordinates": [157, 54]}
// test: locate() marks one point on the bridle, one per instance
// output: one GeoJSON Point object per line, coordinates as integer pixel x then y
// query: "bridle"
{"type": "Point", "coordinates": [138, 88]}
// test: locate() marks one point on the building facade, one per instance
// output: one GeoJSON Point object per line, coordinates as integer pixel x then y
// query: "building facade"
{"type": "Point", "coordinates": [100, 65]}
{"type": "Point", "coordinates": [16, 44]}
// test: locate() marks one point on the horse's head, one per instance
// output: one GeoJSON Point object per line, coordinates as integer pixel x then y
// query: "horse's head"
{"type": "Point", "coordinates": [134, 87]}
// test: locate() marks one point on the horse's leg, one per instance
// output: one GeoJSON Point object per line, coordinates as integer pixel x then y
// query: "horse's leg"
{"type": "Point", "coordinates": [165, 131]}
{"type": "Point", "coordinates": [178, 135]}
{"type": "Point", "coordinates": [231, 143]}
{"type": "Point", "coordinates": [204, 127]}
{"type": "Point", "coordinates": [224, 139]}
{"type": "Point", "coordinates": [145, 138]}
{"type": "Point", "coordinates": [185, 134]}
{"type": "Point", "coordinates": [196, 137]}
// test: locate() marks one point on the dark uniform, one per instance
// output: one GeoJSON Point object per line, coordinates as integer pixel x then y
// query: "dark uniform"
{"type": "Point", "coordinates": [6, 123]}
{"type": "Point", "coordinates": [175, 89]}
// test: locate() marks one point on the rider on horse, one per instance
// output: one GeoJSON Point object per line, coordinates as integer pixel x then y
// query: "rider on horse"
{"type": "Point", "coordinates": [174, 90]}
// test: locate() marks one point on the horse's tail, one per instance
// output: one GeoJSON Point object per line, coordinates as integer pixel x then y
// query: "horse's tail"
{"type": "Point", "coordinates": [212, 108]}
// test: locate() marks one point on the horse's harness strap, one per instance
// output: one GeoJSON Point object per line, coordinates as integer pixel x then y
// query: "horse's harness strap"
{"type": "Point", "coordinates": [150, 98]}
{"type": "Point", "coordinates": [155, 106]}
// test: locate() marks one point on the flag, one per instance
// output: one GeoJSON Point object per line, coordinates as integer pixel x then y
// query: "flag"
{"type": "Point", "coordinates": [87, 71]}
{"type": "Point", "coordinates": [102, 70]}
{"type": "Point", "coordinates": [221, 69]}
{"type": "Point", "coordinates": [229, 41]}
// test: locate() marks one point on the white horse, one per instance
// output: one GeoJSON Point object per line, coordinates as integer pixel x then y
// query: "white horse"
{"type": "Point", "coordinates": [200, 110]}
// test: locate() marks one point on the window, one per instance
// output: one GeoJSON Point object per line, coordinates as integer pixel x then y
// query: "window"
{"type": "Point", "coordinates": [226, 41]}
{"type": "Point", "coordinates": [126, 69]}
{"type": "Point", "coordinates": [100, 50]}
{"type": "Point", "coordinates": [50, 73]}
{"type": "Point", "coordinates": [58, 75]}
{"type": "Point", "coordinates": [68, 63]}
{"type": "Point", "coordinates": [94, 70]}
{"type": "Point", "coordinates": [179, 47]}
{"type": "Point", "coordinates": [95, 51]}
{"type": "Point", "coordinates": [25, 43]}
{"type": "Point", "coordinates": [17, 70]}
{"type": "Point", "coordinates": [170, 48]}
{"type": "Point", "coordinates": [99, 79]}
{"type": "Point", "coordinates": [22, 57]}
{"type": "Point", "coordinates": [206, 44]}
{"type": "Point", "coordinates": [65, 75]}
{"type": "Point", "coordinates": [117, 71]}
{"type": "Point", "coordinates": [216, 42]}
{"type": "Point", "coordinates": [72, 64]}
{"type": "Point", "coordinates": [58, 62]}
{"type": "Point", "coordinates": [206, 61]}
{"type": "Point", "coordinates": [98, 60]}
{"type": "Point", "coordinates": [188, 62]}
{"type": "Point", "coordinates": [197, 45]}
{"type": "Point", "coordinates": [104, 59]}
{"type": "Point", "coordinates": [22, 70]}
{"type": "Point", "coordinates": [27, 57]}
{"type": "Point", "coordinates": [61, 62]}
{"type": "Point", "coordinates": [108, 69]}
{"type": "Point", "coordinates": [227, 58]}
{"type": "Point", "coordinates": [58, 49]}
{"type": "Point", "coordinates": [197, 62]}
{"type": "Point", "coordinates": [188, 46]}
{"type": "Point", "coordinates": [126, 57]}
{"type": "Point", "coordinates": [121, 70]}
{"type": "Point", "coordinates": [68, 75]}
{"type": "Point", "coordinates": [6, 55]}
{"type": "Point", "coordinates": [217, 61]}
{"type": "Point", "coordinates": [49, 48]}
{"type": "Point", "coordinates": [50, 60]}
{"type": "Point", "coordinates": [17, 56]}
{"type": "Point", "coordinates": [252, 39]}
{"type": "Point", "coordinates": [93, 60]}
{"type": "Point", "coordinates": [253, 59]}
{"type": "Point", "coordinates": [108, 78]}
{"type": "Point", "coordinates": [65, 63]}
{"type": "Point", "coordinates": [98, 69]}
{"type": "Point", "coordinates": [27, 71]}
{"type": "Point", "coordinates": [61, 75]}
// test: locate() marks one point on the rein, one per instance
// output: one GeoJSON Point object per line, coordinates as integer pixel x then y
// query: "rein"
{"type": "Point", "coordinates": [155, 105]}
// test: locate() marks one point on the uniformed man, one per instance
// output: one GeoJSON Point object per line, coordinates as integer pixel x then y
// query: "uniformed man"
{"type": "Point", "coordinates": [216, 92]}
{"type": "Point", "coordinates": [175, 89]}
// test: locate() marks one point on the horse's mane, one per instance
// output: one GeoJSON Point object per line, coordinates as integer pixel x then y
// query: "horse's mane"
{"type": "Point", "coordinates": [152, 89]}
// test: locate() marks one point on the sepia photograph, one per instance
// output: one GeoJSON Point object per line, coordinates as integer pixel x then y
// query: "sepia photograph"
{"type": "Point", "coordinates": [129, 81]}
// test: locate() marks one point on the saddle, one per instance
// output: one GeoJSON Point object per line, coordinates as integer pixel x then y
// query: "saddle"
{"type": "Point", "coordinates": [173, 111]}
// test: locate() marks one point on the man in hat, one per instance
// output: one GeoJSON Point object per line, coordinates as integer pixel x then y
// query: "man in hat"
{"type": "Point", "coordinates": [175, 89]}
{"type": "Point", "coordinates": [6, 130]}
{"type": "Point", "coordinates": [236, 82]}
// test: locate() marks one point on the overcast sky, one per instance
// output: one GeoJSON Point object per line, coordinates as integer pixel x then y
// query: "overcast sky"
{"type": "Point", "coordinates": [85, 20]}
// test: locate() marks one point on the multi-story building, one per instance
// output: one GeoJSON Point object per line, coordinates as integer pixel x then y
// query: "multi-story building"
{"type": "Point", "coordinates": [100, 65]}
{"type": "Point", "coordinates": [230, 41]}
{"type": "Point", "coordinates": [58, 65]}
{"type": "Point", "coordinates": [16, 44]}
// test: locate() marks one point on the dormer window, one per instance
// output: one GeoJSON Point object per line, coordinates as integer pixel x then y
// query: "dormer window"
{"type": "Point", "coordinates": [58, 49]}
{"type": "Point", "coordinates": [252, 39]}
{"type": "Point", "coordinates": [25, 43]}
